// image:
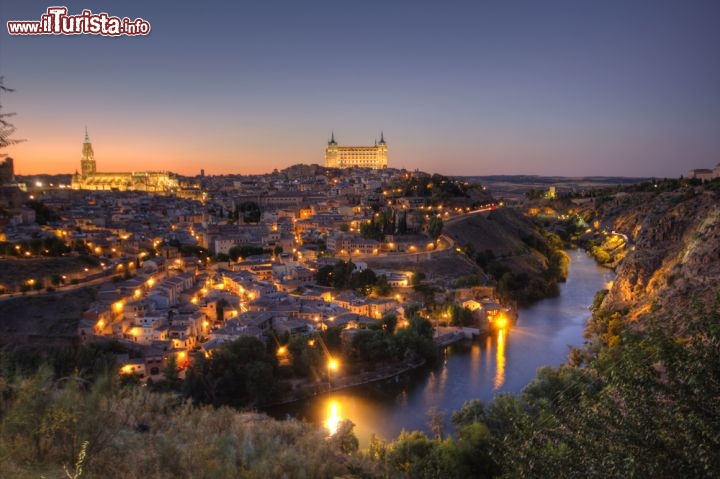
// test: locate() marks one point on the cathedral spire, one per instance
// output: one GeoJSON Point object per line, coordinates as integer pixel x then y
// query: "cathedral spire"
{"type": "Point", "coordinates": [87, 162]}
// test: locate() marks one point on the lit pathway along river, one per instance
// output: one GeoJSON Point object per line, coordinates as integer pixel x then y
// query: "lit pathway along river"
{"type": "Point", "coordinates": [505, 362]}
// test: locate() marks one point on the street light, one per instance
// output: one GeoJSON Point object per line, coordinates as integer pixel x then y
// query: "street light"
{"type": "Point", "coordinates": [333, 365]}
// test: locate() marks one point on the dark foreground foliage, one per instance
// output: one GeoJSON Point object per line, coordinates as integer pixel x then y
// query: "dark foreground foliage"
{"type": "Point", "coordinates": [632, 405]}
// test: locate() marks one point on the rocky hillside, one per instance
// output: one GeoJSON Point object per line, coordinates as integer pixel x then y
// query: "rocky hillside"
{"type": "Point", "coordinates": [49, 318]}
{"type": "Point", "coordinates": [673, 258]}
{"type": "Point", "coordinates": [523, 260]}
{"type": "Point", "coordinates": [505, 232]}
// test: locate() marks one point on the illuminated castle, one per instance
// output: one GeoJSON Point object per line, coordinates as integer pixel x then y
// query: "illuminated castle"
{"type": "Point", "coordinates": [374, 157]}
{"type": "Point", "coordinates": [90, 179]}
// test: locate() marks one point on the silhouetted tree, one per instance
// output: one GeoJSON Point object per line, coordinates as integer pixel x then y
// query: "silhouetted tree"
{"type": "Point", "coordinates": [6, 128]}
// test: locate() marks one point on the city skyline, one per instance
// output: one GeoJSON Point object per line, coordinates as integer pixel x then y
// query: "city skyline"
{"type": "Point", "coordinates": [618, 89]}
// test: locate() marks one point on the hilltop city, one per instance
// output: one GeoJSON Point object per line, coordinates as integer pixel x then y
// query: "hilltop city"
{"type": "Point", "coordinates": [129, 300]}
{"type": "Point", "coordinates": [183, 265]}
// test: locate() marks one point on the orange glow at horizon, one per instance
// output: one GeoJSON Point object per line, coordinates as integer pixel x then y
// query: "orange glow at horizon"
{"type": "Point", "coordinates": [158, 144]}
{"type": "Point", "coordinates": [55, 152]}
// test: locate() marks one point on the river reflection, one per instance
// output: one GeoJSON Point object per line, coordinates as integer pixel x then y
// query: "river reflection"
{"type": "Point", "coordinates": [502, 362]}
{"type": "Point", "coordinates": [499, 360]}
{"type": "Point", "coordinates": [333, 416]}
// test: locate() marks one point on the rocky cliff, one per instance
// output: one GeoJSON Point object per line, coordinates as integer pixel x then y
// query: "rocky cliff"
{"type": "Point", "coordinates": [673, 260]}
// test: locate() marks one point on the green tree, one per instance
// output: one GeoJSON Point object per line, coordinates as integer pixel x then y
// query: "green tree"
{"type": "Point", "coordinates": [460, 316]}
{"type": "Point", "coordinates": [435, 227]}
{"type": "Point", "coordinates": [80, 246]}
{"type": "Point", "coordinates": [306, 359]}
{"type": "Point", "coordinates": [362, 281]}
{"type": "Point", "coordinates": [324, 275]}
{"type": "Point", "coordinates": [220, 309]}
{"type": "Point", "coordinates": [241, 374]}
{"type": "Point", "coordinates": [250, 211]}
{"type": "Point", "coordinates": [171, 374]}
{"type": "Point", "coordinates": [382, 287]}
{"type": "Point", "coordinates": [402, 223]}
{"type": "Point", "coordinates": [473, 452]}
{"type": "Point", "coordinates": [344, 438]}
{"type": "Point", "coordinates": [43, 214]}
{"type": "Point", "coordinates": [371, 230]}
{"type": "Point", "coordinates": [340, 276]}
{"type": "Point", "coordinates": [472, 411]}
{"type": "Point", "coordinates": [389, 322]}
{"type": "Point", "coordinates": [242, 252]}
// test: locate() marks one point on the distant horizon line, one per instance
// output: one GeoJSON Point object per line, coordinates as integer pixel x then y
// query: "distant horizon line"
{"type": "Point", "coordinates": [496, 175]}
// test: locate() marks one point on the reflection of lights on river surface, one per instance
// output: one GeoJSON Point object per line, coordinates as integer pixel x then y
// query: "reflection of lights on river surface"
{"type": "Point", "coordinates": [475, 363]}
{"type": "Point", "coordinates": [500, 360]}
{"type": "Point", "coordinates": [496, 363]}
{"type": "Point", "coordinates": [333, 417]}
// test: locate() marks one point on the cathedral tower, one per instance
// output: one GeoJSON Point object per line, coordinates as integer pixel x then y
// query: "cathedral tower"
{"type": "Point", "coordinates": [87, 163]}
{"type": "Point", "coordinates": [331, 152]}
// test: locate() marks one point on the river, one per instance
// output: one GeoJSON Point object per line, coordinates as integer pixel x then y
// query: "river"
{"type": "Point", "coordinates": [503, 362]}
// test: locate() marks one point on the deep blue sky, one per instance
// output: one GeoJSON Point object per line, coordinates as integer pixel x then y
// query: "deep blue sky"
{"type": "Point", "coordinates": [484, 87]}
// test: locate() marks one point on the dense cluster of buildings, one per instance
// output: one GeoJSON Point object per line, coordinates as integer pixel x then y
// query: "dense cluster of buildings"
{"type": "Point", "coordinates": [170, 275]}
{"type": "Point", "coordinates": [336, 156]}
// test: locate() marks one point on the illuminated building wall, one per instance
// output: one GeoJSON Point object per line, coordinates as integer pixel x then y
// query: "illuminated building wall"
{"type": "Point", "coordinates": [374, 157]}
{"type": "Point", "coordinates": [90, 179]}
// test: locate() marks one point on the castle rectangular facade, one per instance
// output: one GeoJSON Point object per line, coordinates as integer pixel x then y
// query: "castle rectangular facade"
{"type": "Point", "coordinates": [705, 174]}
{"type": "Point", "coordinates": [375, 157]}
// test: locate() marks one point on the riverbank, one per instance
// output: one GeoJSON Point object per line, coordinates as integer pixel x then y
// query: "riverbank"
{"type": "Point", "coordinates": [501, 362]}
{"type": "Point", "coordinates": [307, 391]}
{"type": "Point", "coordinates": [302, 391]}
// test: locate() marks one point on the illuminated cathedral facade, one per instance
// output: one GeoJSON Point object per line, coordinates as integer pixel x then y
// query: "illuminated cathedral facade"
{"type": "Point", "coordinates": [90, 179]}
{"type": "Point", "coordinates": [375, 157]}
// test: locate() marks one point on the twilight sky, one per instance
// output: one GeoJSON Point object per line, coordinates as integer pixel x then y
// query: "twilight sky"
{"type": "Point", "coordinates": [611, 87]}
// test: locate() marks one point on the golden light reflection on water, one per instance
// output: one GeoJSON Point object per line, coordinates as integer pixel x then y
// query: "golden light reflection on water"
{"type": "Point", "coordinates": [367, 415]}
{"type": "Point", "coordinates": [475, 363]}
{"type": "Point", "coordinates": [500, 360]}
{"type": "Point", "coordinates": [333, 418]}
{"type": "Point", "coordinates": [442, 380]}
{"type": "Point", "coordinates": [488, 355]}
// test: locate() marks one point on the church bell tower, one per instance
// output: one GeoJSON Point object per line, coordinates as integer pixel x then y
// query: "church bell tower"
{"type": "Point", "coordinates": [87, 163]}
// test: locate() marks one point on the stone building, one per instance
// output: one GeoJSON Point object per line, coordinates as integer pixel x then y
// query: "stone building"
{"type": "Point", "coordinates": [7, 172]}
{"type": "Point", "coordinates": [374, 157]}
{"type": "Point", "coordinates": [90, 179]}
